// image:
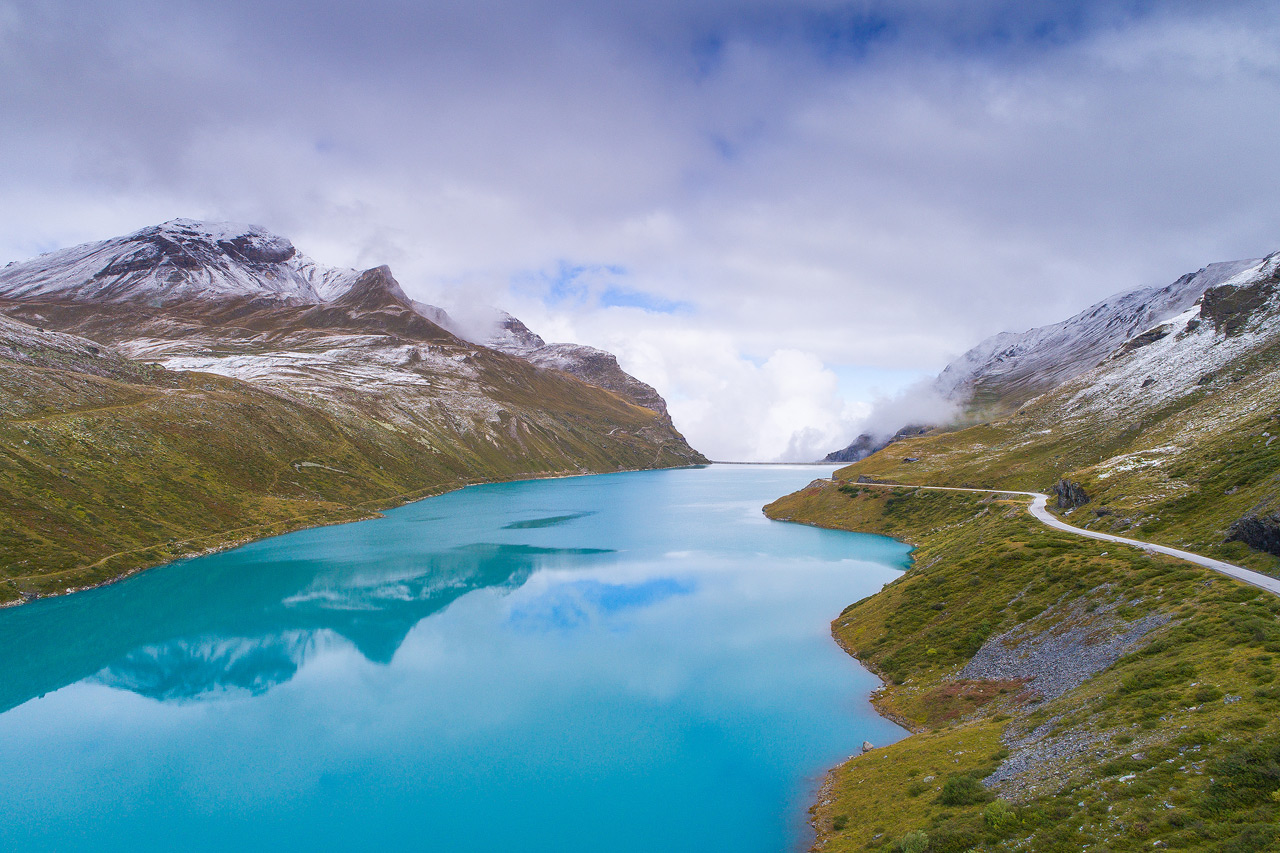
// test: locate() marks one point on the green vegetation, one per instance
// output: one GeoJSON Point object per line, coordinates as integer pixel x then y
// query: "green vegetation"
{"type": "Point", "coordinates": [1179, 473]}
{"type": "Point", "coordinates": [108, 466]}
{"type": "Point", "coordinates": [1174, 742]}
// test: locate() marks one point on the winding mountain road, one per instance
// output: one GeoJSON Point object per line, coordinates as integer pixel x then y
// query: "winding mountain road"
{"type": "Point", "coordinates": [1039, 508]}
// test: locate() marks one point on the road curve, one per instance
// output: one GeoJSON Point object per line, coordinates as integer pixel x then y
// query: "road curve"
{"type": "Point", "coordinates": [1039, 508]}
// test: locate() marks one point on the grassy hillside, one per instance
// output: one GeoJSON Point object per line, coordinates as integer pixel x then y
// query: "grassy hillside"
{"type": "Point", "coordinates": [1112, 700]}
{"type": "Point", "coordinates": [1072, 694]}
{"type": "Point", "coordinates": [1179, 472]}
{"type": "Point", "coordinates": [109, 465]}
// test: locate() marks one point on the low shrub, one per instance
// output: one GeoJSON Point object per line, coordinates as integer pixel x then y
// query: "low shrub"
{"type": "Point", "coordinates": [916, 841]}
{"type": "Point", "coordinates": [964, 790]}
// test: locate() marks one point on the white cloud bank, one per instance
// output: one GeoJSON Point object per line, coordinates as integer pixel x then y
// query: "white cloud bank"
{"type": "Point", "coordinates": [822, 184]}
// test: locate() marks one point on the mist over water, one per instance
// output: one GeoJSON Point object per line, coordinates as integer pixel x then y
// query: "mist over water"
{"type": "Point", "coordinates": [624, 662]}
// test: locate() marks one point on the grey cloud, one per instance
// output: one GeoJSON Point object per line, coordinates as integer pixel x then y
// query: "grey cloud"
{"type": "Point", "coordinates": [869, 182]}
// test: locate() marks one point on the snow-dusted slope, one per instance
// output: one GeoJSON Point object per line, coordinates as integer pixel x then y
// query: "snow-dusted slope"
{"type": "Point", "coordinates": [1005, 370]}
{"type": "Point", "coordinates": [595, 366]}
{"type": "Point", "coordinates": [1010, 368]}
{"type": "Point", "coordinates": [210, 269]}
{"type": "Point", "coordinates": [1200, 349]}
{"type": "Point", "coordinates": [512, 337]}
{"type": "Point", "coordinates": [176, 261]}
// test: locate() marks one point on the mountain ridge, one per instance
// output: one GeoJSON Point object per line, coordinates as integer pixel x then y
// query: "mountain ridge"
{"type": "Point", "coordinates": [141, 421]}
{"type": "Point", "coordinates": [186, 261]}
{"type": "Point", "coordinates": [1007, 369]}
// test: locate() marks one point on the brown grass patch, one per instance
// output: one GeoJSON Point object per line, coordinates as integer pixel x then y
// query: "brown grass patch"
{"type": "Point", "coordinates": [955, 700]}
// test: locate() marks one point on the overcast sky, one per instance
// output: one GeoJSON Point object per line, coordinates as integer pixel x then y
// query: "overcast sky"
{"type": "Point", "coordinates": [771, 210]}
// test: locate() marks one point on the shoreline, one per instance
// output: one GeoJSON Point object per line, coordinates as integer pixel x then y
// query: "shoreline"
{"type": "Point", "coordinates": [349, 513]}
{"type": "Point", "coordinates": [1161, 678]}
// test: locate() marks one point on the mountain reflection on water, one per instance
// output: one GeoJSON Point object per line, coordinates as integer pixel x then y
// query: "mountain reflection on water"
{"type": "Point", "coordinates": [124, 640]}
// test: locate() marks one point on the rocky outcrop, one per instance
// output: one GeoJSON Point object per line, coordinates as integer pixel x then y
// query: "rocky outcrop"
{"type": "Point", "coordinates": [860, 448]}
{"type": "Point", "coordinates": [1260, 532]}
{"type": "Point", "coordinates": [1231, 307]}
{"type": "Point", "coordinates": [599, 368]}
{"type": "Point", "coordinates": [1070, 495]}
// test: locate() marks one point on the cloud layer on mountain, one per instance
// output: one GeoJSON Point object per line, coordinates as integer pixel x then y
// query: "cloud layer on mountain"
{"type": "Point", "coordinates": [739, 198]}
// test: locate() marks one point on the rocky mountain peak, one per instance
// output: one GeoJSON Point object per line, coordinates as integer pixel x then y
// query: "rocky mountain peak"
{"type": "Point", "coordinates": [513, 337]}
{"type": "Point", "coordinates": [375, 289]}
{"type": "Point", "coordinates": [250, 244]}
{"type": "Point", "coordinates": [1011, 367]}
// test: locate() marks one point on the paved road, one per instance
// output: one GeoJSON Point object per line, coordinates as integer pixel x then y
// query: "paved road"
{"type": "Point", "coordinates": [1039, 508]}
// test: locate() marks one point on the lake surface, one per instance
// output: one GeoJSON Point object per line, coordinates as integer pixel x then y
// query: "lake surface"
{"type": "Point", "coordinates": [629, 662]}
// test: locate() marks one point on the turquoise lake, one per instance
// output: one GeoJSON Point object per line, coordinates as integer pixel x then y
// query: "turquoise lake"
{"type": "Point", "coordinates": [627, 662]}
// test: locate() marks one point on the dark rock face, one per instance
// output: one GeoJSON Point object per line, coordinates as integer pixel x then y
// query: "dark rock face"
{"type": "Point", "coordinates": [1230, 308]}
{"type": "Point", "coordinates": [1070, 495]}
{"type": "Point", "coordinates": [255, 252]}
{"type": "Point", "coordinates": [861, 447]}
{"type": "Point", "coordinates": [866, 444]}
{"type": "Point", "coordinates": [1148, 337]}
{"type": "Point", "coordinates": [599, 368]}
{"type": "Point", "coordinates": [1260, 532]}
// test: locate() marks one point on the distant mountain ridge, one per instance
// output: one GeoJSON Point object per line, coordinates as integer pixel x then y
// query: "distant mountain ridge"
{"type": "Point", "coordinates": [184, 386]}
{"type": "Point", "coordinates": [1006, 370]}
{"type": "Point", "coordinates": [186, 260]}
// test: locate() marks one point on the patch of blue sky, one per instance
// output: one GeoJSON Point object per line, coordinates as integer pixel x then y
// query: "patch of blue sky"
{"type": "Point", "coordinates": [845, 34]}
{"type": "Point", "coordinates": [619, 297]}
{"type": "Point", "coordinates": [1020, 27]}
{"type": "Point", "coordinates": [842, 33]}
{"type": "Point", "coordinates": [592, 285]}
{"type": "Point", "coordinates": [567, 284]}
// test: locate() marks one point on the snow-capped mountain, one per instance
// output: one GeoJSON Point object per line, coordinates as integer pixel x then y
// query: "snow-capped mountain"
{"type": "Point", "coordinates": [1202, 349]}
{"type": "Point", "coordinates": [184, 264]}
{"type": "Point", "coordinates": [193, 385]}
{"type": "Point", "coordinates": [178, 260]}
{"type": "Point", "coordinates": [1173, 434]}
{"type": "Point", "coordinates": [1008, 369]}
{"type": "Point", "coordinates": [1011, 367]}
